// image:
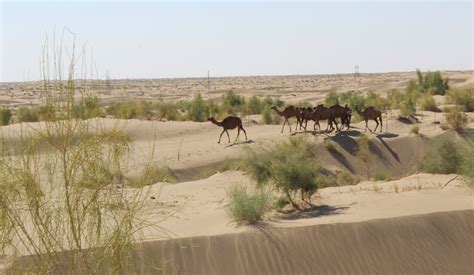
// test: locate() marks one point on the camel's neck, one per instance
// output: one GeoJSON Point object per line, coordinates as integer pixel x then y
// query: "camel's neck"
{"type": "Point", "coordinates": [359, 113]}
{"type": "Point", "coordinates": [278, 111]}
{"type": "Point", "coordinates": [216, 122]}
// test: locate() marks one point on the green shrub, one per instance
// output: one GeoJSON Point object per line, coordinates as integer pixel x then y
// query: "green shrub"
{"type": "Point", "coordinates": [248, 207]}
{"type": "Point", "coordinates": [376, 101]}
{"type": "Point", "coordinates": [332, 98]}
{"type": "Point", "coordinates": [25, 114]}
{"type": "Point", "coordinates": [363, 152]}
{"type": "Point", "coordinates": [88, 107]}
{"type": "Point", "coordinates": [443, 156]}
{"type": "Point", "coordinates": [428, 103]}
{"type": "Point", "coordinates": [198, 109]}
{"type": "Point", "coordinates": [289, 166]}
{"type": "Point", "coordinates": [254, 105]}
{"type": "Point", "coordinates": [432, 82]}
{"type": "Point", "coordinates": [151, 174]}
{"type": "Point", "coordinates": [47, 112]}
{"type": "Point", "coordinates": [380, 175]}
{"type": "Point", "coordinates": [281, 202]}
{"type": "Point", "coordinates": [269, 116]}
{"type": "Point", "coordinates": [330, 145]}
{"type": "Point", "coordinates": [395, 98]}
{"type": "Point", "coordinates": [456, 119]}
{"type": "Point", "coordinates": [462, 97]}
{"type": "Point", "coordinates": [344, 178]}
{"type": "Point", "coordinates": [408, 107]}
{"type": "Point", "coordinates": [5, 116]}
{"type": "Point", "coordinates": [167, 110]}
{"type": "Point", "coordinates": [415, 129]}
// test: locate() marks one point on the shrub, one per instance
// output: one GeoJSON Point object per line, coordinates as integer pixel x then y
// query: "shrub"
{"type": "Point", "coordinates": [198, 109]}
{"type": "Point", "coordinates": [151, 174]}
{"type": "Point", "coordinates": [443, 156]}
{"type": "Point", "coordinates": [408, 107]}
{"type": "Point", "coordinates": [5, 116]}
{"type": "Point", "coordinates": [254, 105]}
{"type": "Point", "coordinates": [25, 114]}
{"type": "Point", "coordinates": [329, 145]}
{"type": "Point", "coordinates": [332, 98]}
{"type": "Point", "coordinates": [248, 207]}
{"type": "Point", "coordinates": [432, 82]}
{"type": "Point", "coordinates": [428, 103]}
{"type": "Point", "coordinates": [47, 112]}
{"type": "Point", "coordinates": [344, 178]}
{"type": "Point", "coordinates": [289, 166]}
{"type": "Point", "coordinates": [380, 175]}
{"type": "Point", "coordinates": [167, 110]}
{"type": "Point", "coordinates": [376, 101]}
{"type": "Point", "coordinates": [456, 119]}
{"type": "Point", "coordinates": [88, 107]}
{"type": "Point", "coordinates": [270, 117]}
{"type": "Point", "coordinates": [462, 97]}
{"type": "Point", "coordinates": [415, 129]}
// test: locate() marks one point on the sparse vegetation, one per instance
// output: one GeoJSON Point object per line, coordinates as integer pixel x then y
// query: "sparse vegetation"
{"type": "Point", "coordinates": [462, 97]}
{"type": "Point", "coordinates": [5, 116]}
{"type": "Point", "coordinates": [428, 103]}
{"type": "Point", "coordinates": [432, 82]}
{"type": "Point", "coordinates": [151, 174]}
{"type": "Point", "coordinates": [380, 175]}
{"type": "Point", "coordinates": [344, 178]}
{"type": "Point", "coordinates": [248, 207]}
{"type": "Point", "coordinates": [415, 129]}
{"type": "Point", "coordinates": [443, 157]}
{"type": "Point", "coordinates": [456, 119]}
{"type": "Point", "coordinates": [27, 114]}
{"type": "Point", "coordinates": [363, 152]}
{"type": "Point", "coordinates": [288, 166]}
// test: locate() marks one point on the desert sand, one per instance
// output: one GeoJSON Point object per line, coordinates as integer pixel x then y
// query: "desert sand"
{"type": "Point", "coordinates": [413, 223]}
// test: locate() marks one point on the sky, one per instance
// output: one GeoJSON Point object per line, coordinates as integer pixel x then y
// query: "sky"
{"type": "Point", "coordinates": [165, 39]}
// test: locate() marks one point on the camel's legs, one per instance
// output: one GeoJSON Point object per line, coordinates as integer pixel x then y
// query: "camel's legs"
{"type": "Point", "coordinates": [221, 136]}
{"type": "Point", "coordinates": [244, 132]}
{"type": "Point", "coordinates": [238, 133]}
{"type": "Point", "coordinates": [376, 121]}
{"type": "Point", "coordinates": [283, 126]}
{"type": "Point", "coordinates": [289, 126]}
{"type": "Point", "coordinates": [228, 137]}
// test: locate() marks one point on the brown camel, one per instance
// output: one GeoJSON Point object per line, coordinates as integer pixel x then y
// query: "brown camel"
{"type": "Point", "coordinates": [344, 113]}
{"type": "Point", "coordinates": [371, 113]}
{"type": "Point", "coordinates": [323, 113]}
{"type": "Point", "coordinates": [229, 123]}
{"type": "Point", "coordinates": [289, 111]}
{"type": "Point", "coordinates": [306, 114]}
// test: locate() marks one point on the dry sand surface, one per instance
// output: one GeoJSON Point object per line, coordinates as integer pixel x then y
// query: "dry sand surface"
{"type": "Point", "coordinates": [415, 223]}
{"type": "Point", "coordinates": [290, 88]}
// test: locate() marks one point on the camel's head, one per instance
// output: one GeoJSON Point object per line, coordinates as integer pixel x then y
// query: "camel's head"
{"type": "Point", "coordinates": [210, 119]}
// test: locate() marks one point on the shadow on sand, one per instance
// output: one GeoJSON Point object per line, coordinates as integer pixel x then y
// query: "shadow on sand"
{"type": "Point", "coordinates": [240, 143]}
{"type": "Point", "coordinates": [313, 212]}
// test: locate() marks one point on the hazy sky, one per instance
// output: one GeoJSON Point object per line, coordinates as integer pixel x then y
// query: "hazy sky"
{"type": "Point", "coordinates": [156, 39]}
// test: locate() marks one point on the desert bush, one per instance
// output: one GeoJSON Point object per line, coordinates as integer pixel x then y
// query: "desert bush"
{"type": "Point", "coordinates": [270, 117]}
{"type": "Point", "coordinates": [288, 166]}
{"type": "Point", "coordinates": [375, 100]}
{"type": "Point", "coordinates": [27, 114]}
{"type": "Point", "coordinates": [151, 174]}
{"type": "Point", "coordinates": [456, 119]}
{"type": "Point", "coordinates": [254, 105]}
{"type": "Point", "coordinates": [345, 178]}
{"type": "Point", "coordinates": [395, 98]}
{"type": "Point", "coordinates": [62, 208]}
{"type": "Point", "coordinates": [47, 112]}
{"type": "Point", "coordinates": [198, 109]}
{"type": "Point", "coordinates": [5, 116]}
{"type": "Point", "coordinates": [432, 82]}
{"type": "Point", "coordinates": [443, 156]}
{"type": "Point", "coordinates": [332, 98]}
{"type": "Point", "coordinates": [428, 103]}
{"type": "Point", "coordinates": [248, 207]}
{"type": "Point", "coordinates": [330, 145]}
{"type": "Point", "coordinates": [87, 107]}
{"type": "Point", "coordinates": [380, 175]}
{"type": "Point", "coordinates": [168, 110]}
{"type": "Point", "coordinates": [415, 129]}
{"type": "Point", "coordinates": [462, 97]}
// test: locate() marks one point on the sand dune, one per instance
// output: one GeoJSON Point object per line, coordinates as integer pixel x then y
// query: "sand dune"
{"type": "Point", "coordinates": [437, 243]}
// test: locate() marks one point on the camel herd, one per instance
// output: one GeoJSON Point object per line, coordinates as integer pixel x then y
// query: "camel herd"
{"type": "Point", "coordinates": [305, 114]}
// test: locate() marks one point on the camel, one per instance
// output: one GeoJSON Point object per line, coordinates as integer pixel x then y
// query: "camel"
{"type": "Point", "coordinates": [306, 114]}
{"type": "Point", "coordinates": [344, 113]}
{"type": "Point", "coordinates": [371, 113]}
{"type": "Point", "coordinates": [229, 123]}
{"type": "Point", "coordinates": [321, 113]}
{"type": "Point", "coordinates": [289, 111]}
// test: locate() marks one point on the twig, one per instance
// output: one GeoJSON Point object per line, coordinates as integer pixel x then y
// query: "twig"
{"type": "Point", "coordinates": [450, 181]}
